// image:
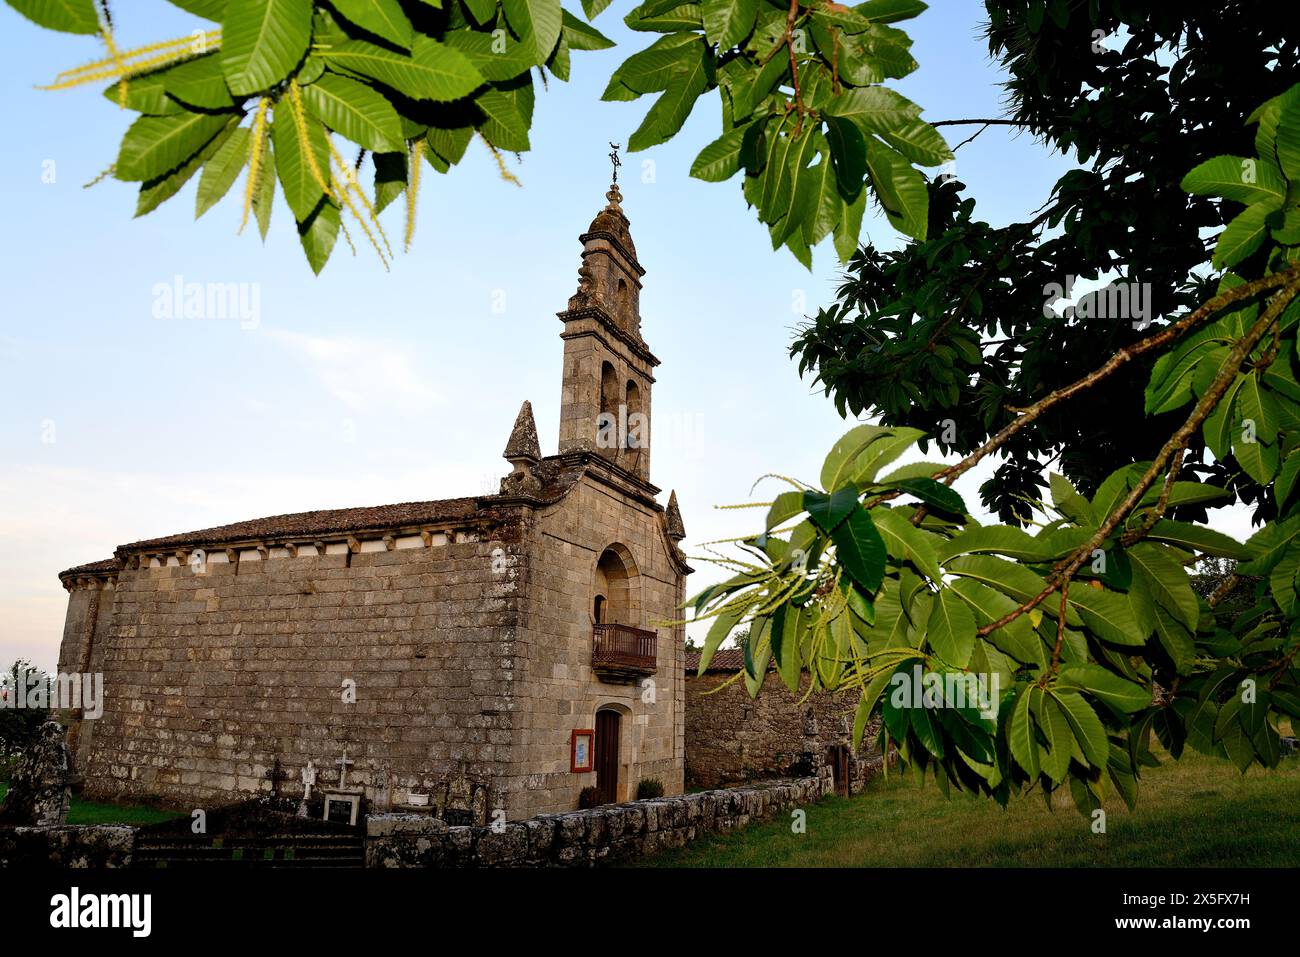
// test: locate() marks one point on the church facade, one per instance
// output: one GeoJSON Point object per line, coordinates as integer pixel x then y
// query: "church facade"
{"type": "Point", "coordinates": [492, 654]}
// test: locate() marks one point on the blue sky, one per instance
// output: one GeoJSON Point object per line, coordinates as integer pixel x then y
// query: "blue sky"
{"type": "Point", "coordinates": [363, 387]}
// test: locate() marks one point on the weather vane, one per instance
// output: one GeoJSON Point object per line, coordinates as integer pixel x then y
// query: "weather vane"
{"type": "Point", "coordinates": [613, 158]}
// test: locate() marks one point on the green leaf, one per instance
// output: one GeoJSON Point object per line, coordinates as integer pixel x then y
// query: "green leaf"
{"type": "Point", "coordinates": [319, 233]}
{"type": "Point", "coordinates": [1110, 688]}
{"type": "Point", "coordinates": [1197, 538]}
{"type": "Point", "coordinates": [434, 71]}
{"type": "Point", "coordinates": [483, 11]}
{"type": "Point", "coordinates": [859, 549]}
{"type": "Point", "coordinates": [593, 8]}
{"type": "Point", "coordinates": [890, 11]}
{"type": "Point", "coordinates": [507, 125]}
{"type": "Point", "coordinates": [1166, 580]}
{"type": "Point", "coordinates": [66, 16]}
{"type": "Point", "coordinates": [720, 160]}
{"type": "Point", "coordinates": [951, 629]}
{"type": "Point", "coordinates": [1259, 461]}
{"type": "Point", "coordinates": [539, 21]}
{"type": "Point", "coordinates": [919, 142]}
{"type": "Point", "coordinates": [302, 190]}
{"type": "Point", "coordinates": [262, 41]}
{"type": "Point", "coordinates": [1177, 641]}
{"type": "Point", "coordinates": [1000, 539]}
{"type": "Point", "coordinates": [221, 171]}
{"type": "Point", "coordinates": [1086, 726]}
{"type": "Point", "coordinates": [1108, 614]}
{"type": "Point", "coordinates": [582, 36]}
{"type": "Point", "coordinates": [356, 111]}
{"type": "Point", "coordinates": [154, 192]}
{"type": "Point", "coordinates": [200, 83]}
{"type": "Point", "coordinates": [665, 118]}
{"type": "Point", "coordinates": [212, 10]}
{"type": "Point", "coordinates": [1247, 181]}
{"type": "Point", "coordinates": [390, 178]}
{"type": "Point", "coordinates": [901, 189]}
{"type": "Point", "coordinates": [933, 493]}
{"type": "Point", "coordinates": [1060, 737]}
{"type": "Point", "coordinates": [1242, 237]}
{"type": "Point", "coordinates": [874, 109]}
{"type": "Point", "coordinates": [827, 511]}
{"type": "Point", "coordinates": [144, 94]}
{"type": "Point", "coordinates": [383, 18]}
{"type": "Point", "coordinates": [905, 542]}
{"type": "Point", "coordinates": [728, 22]}
{"type": "Point", "coordinates": [155, 145]}
{"type": "Point", "coordinates": [1023, 742]}
{"type": "Point", "coordinates": [722, 626]}
{"type": "Point", "coordinates": [1070, 503]}
{"type": "Point", "coordinates": [264, 194]}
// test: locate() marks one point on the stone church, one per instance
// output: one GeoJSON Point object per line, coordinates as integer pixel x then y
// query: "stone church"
{"type": "Point", "coordinates": [481, 654]}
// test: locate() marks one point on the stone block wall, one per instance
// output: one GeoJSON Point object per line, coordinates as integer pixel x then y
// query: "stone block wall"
{"type": "Point", "coordinates": [67, 846]}
{"type": "Point", "coordinates": [557, 691]}
{"type": "Point", "coordinates": [732, 738]}
{"type": "Point", "coordinates": [213, 678]}
{"type": "Point", "coordinates": [611, 833]}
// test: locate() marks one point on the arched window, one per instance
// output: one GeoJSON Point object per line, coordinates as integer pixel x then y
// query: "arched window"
{"type": "Point", "coordinates": [623, 306]}
{"type": "Point", "coordinates": [614, 602]}
{"type": "Point", "coordinates": [638, 429]}
{"type": "Point", "coordinates": [608, 438]}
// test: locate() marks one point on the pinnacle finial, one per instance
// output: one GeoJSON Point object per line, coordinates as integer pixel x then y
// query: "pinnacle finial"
{"type": "Point", "coordinates": [676, 530]}
{"type": "Point", "coordinates": [523, 438]}
{"type": "Point", "coordinates": [613, 158]}
{"type": "Point", "coordinates": [614, 196]}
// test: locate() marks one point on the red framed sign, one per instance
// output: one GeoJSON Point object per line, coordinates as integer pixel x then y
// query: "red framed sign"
{"type": "Point", "coordinates": [581, 749]}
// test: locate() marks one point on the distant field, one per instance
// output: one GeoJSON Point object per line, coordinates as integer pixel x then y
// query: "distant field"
{"type": "Point", "coordinates": [89, 812]}
{"type": "Point", "coordinates": [1197, 812]}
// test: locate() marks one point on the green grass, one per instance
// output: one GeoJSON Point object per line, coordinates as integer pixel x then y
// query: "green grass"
{"type": "Point", "coordinates": [1197, 812]}
{"type": "Point", "coordinates": [91, 812]}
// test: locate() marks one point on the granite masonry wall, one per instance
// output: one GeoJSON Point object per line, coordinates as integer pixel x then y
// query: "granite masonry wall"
{"type": "Point", "coordinates": [557, 691]}
{"type": "Point", "coordinates": [582, 838]}
{"type": "Point", "coordinates": [216, 681]}
{"type": "Point", "coordinates": [67, 846]}
{"type": "Point", "coordinates": [732, 738]}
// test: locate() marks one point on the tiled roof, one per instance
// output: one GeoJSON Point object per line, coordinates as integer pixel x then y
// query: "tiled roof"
{"type": "Point", "coordinates": [302, 525]}
{"type": "Point", "coordinates": [91, 568]}
{"type": "Point", "coordinates": [724, 659]}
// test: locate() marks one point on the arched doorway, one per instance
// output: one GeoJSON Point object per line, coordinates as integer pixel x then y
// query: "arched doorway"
{"type": "Point", "coordinates": [608, 734]}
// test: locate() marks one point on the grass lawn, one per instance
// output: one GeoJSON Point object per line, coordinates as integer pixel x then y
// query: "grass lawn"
{"type": "Point", "coordinates": [1195, 812]}
{"type": "Point", "coordinates": [89, 812]}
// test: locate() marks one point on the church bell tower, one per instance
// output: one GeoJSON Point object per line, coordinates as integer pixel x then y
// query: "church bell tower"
{"type": "Point", "coordinates": [605, 400]}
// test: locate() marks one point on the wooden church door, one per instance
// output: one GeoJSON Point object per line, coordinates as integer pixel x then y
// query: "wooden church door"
{"type": "Point", "coordinates": [607, 734]}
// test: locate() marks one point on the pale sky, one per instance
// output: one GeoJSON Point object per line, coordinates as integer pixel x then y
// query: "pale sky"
{"type": "Point", "coordinates": [363, 387]}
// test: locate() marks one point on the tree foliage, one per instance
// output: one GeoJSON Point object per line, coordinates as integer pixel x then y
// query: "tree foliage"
{"type": "Point", "coordinates": [271, 94]}
{"type": "Point", "coordinates": [953, 334]}
{"type": "Point", "coordinates": [1088, 633]}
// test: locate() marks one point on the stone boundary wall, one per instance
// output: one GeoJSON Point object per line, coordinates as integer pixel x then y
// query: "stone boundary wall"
{"type": "Point", "coordinates": [612, 832]}
{"type": "Point", "coordinates": [72, 846]}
